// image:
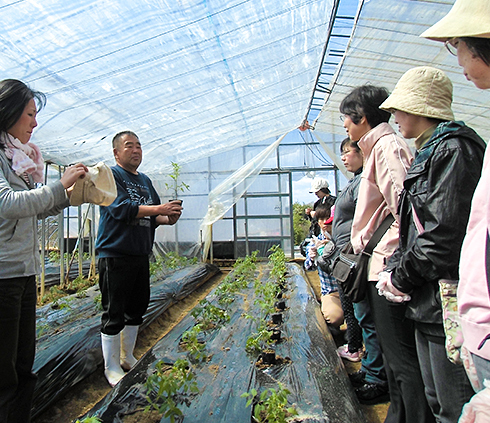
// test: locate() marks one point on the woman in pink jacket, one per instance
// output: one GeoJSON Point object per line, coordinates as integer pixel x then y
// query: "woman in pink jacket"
{"type": "Point", "coordinates": [387, 158]}
{"type": "Point", "coordinates": [466, 32]}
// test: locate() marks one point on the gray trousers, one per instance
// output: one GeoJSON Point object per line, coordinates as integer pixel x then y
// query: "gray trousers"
{"type": "Point", "coordinates": [447, 387]}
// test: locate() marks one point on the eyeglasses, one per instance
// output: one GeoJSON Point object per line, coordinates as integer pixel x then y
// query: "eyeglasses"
{"type": "Point", "coordinates": [452, 46]}
{"type": "Point", "coordinates": [342, 117]}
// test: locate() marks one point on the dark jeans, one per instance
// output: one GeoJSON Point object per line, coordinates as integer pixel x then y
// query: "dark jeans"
{"type": "Point", "coordinates": [125, 286]}
{"type": "Point", "coordinates": [446, 385]}
{"type": "Point", "coordinates": [372, 362]}
{"type": "Point", "coordinates": [396, 335]}
{"type": "Point", "coordinates": [17, 348]}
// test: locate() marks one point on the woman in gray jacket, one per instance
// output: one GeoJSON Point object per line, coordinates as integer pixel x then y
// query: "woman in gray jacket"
{"type": "Point", "coordinates": [21, 204]}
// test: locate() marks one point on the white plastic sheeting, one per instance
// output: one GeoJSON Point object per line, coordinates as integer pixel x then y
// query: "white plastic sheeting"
{"type": "Point", "coordinates": [191, 78]}
{"type": "Point", "coordinates": [385, 44]}
{"type": "Point", "coordinates": [225, 195]}
{"type": "Point", "coordinates": [212, 84]}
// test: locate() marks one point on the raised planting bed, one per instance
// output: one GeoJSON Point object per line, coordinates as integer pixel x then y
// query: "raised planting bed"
{"type": "Point", "coordinates": [227, 371]}
{"type": "Point", "coordinates": [69, 348]}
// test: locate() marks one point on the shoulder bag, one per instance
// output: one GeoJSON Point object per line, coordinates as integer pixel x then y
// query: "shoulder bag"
{"type": "Point", "coordinates": [351, 270]}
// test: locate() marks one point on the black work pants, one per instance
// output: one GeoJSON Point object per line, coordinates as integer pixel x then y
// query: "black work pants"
{"type": "Point", "coordinates": [125, 286]}
{"type": "Point", "coordinates": [17, 348]}
{"type": "Point", "coordinates": [396, 336]}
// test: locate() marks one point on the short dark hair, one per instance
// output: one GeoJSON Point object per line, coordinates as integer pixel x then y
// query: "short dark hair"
{"type": "Point", "coordinates": [347, 142]}
{"type": "Point", "coordinates": [119, 135]}
{"type": "Point", "coordinates": [322, 212]}
{"type": "Point", "coordinates": [14, 96]}
{"type": "Point", "coordinates": [365, 101]}
{"type": "Point", "coordinates": [480, 47]}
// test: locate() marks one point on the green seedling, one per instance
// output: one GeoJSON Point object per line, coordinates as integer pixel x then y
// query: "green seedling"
{"type": "Point", "coordinates": [271, 406]}
{"type": "Point", "coordinates": [168, 389]}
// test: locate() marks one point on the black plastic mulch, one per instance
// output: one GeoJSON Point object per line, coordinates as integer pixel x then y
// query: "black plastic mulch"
{"type": "Point", "coordinates": [311, 368]}
{"type": "Point", "coordinates": [69, 348]}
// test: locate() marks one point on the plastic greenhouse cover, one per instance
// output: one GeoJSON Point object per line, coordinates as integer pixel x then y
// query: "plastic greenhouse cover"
{"type": "Point", "coordinates": [385, 44]}
{"type": "Point", "coordinates": [191, 78]}
{"type": "Point", "coordinates": [315, 374]}
{"type": "Point", "coordinates": [69, 348]}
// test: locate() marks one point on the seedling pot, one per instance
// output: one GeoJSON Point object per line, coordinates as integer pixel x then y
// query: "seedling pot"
{"type": "Point", "coordinates": [268, 357]}
{"type": "Point", "coordinates": [276, 318]}
{"type": "Point", "coordinates": [276, 335]}
{"type": "Point", "coordinates": [280, 305]}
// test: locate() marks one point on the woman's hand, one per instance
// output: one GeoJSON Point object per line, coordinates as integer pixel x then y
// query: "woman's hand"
{"type": "Point", "coordinates": [72, 174]}
{"type": "Point", "coordinates": [388, 290]}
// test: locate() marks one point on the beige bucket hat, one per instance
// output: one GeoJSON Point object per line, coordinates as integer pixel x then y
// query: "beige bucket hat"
{"type": "Point", "coordinates": [467, 18]}
{"type": "Point", "coordinates": [98, 187]}
{"type": "Point", "coordinates": [422, 91]}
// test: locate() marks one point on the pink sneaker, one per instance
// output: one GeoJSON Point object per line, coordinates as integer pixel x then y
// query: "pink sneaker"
{"type": "Point", "coordinates": [343, 352]}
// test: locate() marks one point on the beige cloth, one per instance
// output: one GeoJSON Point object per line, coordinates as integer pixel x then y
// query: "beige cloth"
{"type": "Point", "coordinates": [97, 187]}
{"type": "Point", "coordinates": [332, 309]}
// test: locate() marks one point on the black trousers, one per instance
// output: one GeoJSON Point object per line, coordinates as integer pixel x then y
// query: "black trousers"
{"type": "Point", "coordinates": [396, 336]}
{"type": "Point", "coordinates": [17, 348]}
{"type": "Point", "coordinates": [125, 286]}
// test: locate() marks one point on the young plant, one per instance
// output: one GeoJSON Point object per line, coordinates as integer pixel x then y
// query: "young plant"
{"type": "Point", "coordinates": [259, 340]}
{"type": "Point", "coordinates": [278, 261]}
{"type": "Point", "coordinates": [208, 315]}
{"type": "Point", "coordinates": [98, 302]}
{"type": "Point", "coordinates": [176, 186]}
{"type": "Point", "coordinates": [168, 389]}
{"type": "Point", "coordinates": [172, 260]}
{"type": "Point", "coordinates": [271, 406]}
{"type": "Point", "coordinates": [89, 420]}
{"type": "Point", "coordinates": [190, 342]}
{"type": "Point", "coordinates": [243, 272]}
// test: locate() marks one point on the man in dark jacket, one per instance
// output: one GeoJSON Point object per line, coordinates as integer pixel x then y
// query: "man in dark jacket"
{"type": "Point", "coordinates": [124, 243]}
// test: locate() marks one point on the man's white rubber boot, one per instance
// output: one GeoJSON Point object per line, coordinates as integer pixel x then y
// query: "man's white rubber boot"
{"type": "Point", "coordinates": [128, 341]}
{"type": "Point", "coordinates": [111, 350]}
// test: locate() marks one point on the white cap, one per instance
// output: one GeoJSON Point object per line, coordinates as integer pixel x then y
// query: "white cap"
{"type": "Point", "coordinates": [318, 183]}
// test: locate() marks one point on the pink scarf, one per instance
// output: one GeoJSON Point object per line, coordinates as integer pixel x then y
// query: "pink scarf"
{"type": "Point", "coordinates": [26, 158]}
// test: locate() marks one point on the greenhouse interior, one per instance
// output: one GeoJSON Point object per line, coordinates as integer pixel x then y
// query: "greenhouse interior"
{"type": "Point", "coordinates": [241, 95]}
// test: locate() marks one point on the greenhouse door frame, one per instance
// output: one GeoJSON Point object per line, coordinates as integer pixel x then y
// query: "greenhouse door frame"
{"type": "Point", "coordinates": [288, 197]}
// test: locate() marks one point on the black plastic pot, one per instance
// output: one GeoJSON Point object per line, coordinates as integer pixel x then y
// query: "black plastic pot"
{"type": "Point", "coordinates": [280, 305]}
{"type": "Point", "coordinates": [276, 318]}
{"type": "Point", "coordinates": [268, 357]}
{"type": "Point", "coordinates": [276, 335]}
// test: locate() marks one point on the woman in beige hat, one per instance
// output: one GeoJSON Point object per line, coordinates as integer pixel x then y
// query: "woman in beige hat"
{"type": "Point", "coordinates": [434, 211]}
{"type": "Point", "coordinates": [466, 31]}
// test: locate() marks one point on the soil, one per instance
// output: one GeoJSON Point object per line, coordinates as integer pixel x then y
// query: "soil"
{"type": "Point", "coordinates": [90, 391]}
